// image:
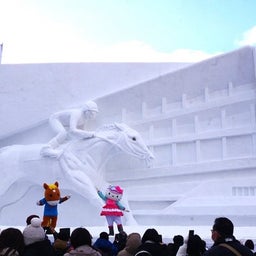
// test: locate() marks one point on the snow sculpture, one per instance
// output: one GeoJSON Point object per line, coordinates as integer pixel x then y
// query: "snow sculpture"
{"type": "Point", "coordinates": [80, 166]}
{"type": "Point", "coordinates": [69, 122]}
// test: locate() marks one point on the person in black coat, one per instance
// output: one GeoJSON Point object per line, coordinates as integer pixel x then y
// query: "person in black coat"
{"type": "Point", "coordinates": [11, 242]}
{"type": "Point", "coordinates": [172, 248]}
{"type": "Point", "coordinates": [40, 248]}
{"type": "Point", "coordinates": [151, 242]}
{"type": "Point", "coordinates": [195, 246]}
{"type": "Point", "coordinates": [224, 241]}
{"type": "Point", "coordinates": [36, 242]}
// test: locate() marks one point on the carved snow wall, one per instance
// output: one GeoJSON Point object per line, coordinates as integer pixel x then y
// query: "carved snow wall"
{"type": "Point", "coordinates": [200, 124]}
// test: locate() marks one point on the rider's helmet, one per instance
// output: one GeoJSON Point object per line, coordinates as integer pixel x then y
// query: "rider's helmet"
{"type": "Point", "coordinates": [91, 106]}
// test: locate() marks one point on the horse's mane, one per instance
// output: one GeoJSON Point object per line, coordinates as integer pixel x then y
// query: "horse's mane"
{"type": "Point", "coordinates": [106, 127]}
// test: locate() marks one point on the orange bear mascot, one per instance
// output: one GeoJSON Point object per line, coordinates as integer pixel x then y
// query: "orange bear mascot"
{"type": "Point", "coordinates": [51, 200]}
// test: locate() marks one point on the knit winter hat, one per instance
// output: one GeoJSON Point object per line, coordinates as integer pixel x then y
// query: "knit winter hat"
{"type": "Point", "coordinates": [30, 217]}
{"type": "Point", "coordinates": [33, 232]}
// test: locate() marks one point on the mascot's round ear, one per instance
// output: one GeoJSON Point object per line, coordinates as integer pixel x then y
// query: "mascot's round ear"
{"type": "Point", "coordinates": [45, 186]}
{"type": "Point", "coordinates": [56, 184]}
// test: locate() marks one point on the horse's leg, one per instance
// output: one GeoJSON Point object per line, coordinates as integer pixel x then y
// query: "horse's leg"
{"type": "Point", "coordinates": [128, 216]}
{"type": "Point", "coordinates": [75, 174]}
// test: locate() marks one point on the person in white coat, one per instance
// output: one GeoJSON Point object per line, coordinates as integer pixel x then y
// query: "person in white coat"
{"type": "Point", "coordinates": [70, 121]}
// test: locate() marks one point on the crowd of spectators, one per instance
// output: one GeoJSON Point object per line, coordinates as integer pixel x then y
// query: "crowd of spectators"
{"type": "Point", "coordinates": [34, 241]}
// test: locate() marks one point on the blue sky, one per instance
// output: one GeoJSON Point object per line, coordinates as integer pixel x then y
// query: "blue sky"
{"type": "Point", "coordinates": [123, 30]}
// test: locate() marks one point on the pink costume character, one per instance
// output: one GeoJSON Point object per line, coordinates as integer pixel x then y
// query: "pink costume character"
{"type": "Point", "coordinates": [113, 208]}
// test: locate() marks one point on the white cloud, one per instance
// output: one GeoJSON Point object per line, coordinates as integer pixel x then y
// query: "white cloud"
{"type": "Point", "coordinates": [30, 37]}
{"type": "Point", "coordinates": [248, 38]}
{"type": "Point", "coordinates": [71, 49]}
{"type": "Point", "coordinates": [137, 51]}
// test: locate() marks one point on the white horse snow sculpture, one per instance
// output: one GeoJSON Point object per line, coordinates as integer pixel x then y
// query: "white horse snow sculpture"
{"type": "Point", "coordinates": [81, 166]}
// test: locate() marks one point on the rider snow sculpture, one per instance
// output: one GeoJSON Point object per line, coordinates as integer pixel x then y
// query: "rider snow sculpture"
{"type": "Point", "coordinates": [113, 209]}
{"type": "Point", "coordinates": [70, 121]}
{"type": "Point", "coordinates": [50, 201]}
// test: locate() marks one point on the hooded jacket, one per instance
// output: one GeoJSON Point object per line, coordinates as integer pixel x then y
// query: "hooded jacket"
{"type": "Point", "coordinates": [40, 248]}
{"type": "Point", "coordinates": [132, 243]}
{"type": "Point", "coordinates": [83, 250]}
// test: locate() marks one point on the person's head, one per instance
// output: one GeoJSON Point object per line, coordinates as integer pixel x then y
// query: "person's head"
{"type": "Point", "coordinates": [133, 242]}
{"type": "Point", "coordinates": [178, 240]}
{"type": "Point", "coordinates": [104, 235]}
{"type": "Point", "coordinates": [121, 237]}
{"type": "Point", "coordinates": [249, 243]}
{"type": "Point", "coordinates": [64, 234]}
{"type": "Point", "coordinates": [150, 235]}
{"type": "Point", "coordinates": [194, 245]}
{"type": "Point", "coordinates": [90, 109]}
{"type": "Point", "coordinates": [30, 217]}
{"type": "Point", "coordinates": [80, 236]}
{"type": "Point", "coordinates": [222, 228]}
{"type": "Point", "coordinates": [33, 232]}
{"type": "Point", "coordinates": [12, 238]}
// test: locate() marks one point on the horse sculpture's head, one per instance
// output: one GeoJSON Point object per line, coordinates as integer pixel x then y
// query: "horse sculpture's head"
{"type": "Point", "coordinates": [130, 141]}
